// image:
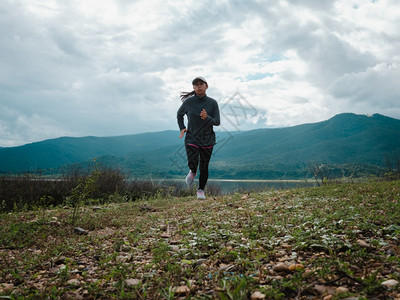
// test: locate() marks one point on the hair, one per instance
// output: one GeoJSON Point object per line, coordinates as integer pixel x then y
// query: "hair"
{"type": "Point", "coordinates": [185, 95]}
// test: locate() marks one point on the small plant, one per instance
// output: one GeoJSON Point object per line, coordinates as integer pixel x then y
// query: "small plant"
{"type": "Point", "coordinates": [63, 273]}
{"type": "Point", "coordinates": [160, 252]}
{"type": "Point", "coordinates": [235, 287]}
{"type": "Point", "coordinates": [84, 190]}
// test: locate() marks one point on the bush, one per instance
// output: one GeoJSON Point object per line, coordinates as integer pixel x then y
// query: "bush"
{"type": "Point", "coordinates": [80, 186]}
{"type": "Point", "coordinates": [28, 191]}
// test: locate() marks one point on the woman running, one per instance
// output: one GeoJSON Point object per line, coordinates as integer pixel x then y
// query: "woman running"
{"type": "Point", "coordinates": [202, 114]}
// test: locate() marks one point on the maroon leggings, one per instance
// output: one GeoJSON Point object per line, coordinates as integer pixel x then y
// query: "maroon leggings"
{"type": "Point", "coordinates": [193, 154]}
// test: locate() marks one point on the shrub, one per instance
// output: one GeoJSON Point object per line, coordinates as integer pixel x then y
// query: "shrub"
{"type": "Point", "coordinates": [79, 185]}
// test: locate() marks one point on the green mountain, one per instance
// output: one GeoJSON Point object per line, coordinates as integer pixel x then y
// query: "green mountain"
{"type": "Point", "coordinates": [55, 153]}
{"type": "Point", "coordinates": [347, 142]}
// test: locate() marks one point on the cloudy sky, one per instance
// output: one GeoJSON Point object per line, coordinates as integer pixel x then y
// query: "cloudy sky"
{"type": "Point", "coordinates": [115, 67]}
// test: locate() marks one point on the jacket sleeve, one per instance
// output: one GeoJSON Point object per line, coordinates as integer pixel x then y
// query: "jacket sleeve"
{"type": "Point", "coordinates": [180, 114]}
{"type": "Point", "coordinates": [215, 119]}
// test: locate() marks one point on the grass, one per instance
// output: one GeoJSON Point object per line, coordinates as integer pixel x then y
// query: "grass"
{"type": "Point", "coordinates": [224, 247]}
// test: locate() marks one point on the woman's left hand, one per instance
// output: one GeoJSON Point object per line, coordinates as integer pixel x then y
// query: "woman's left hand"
{"type": "Point", "coordinates": [203, 114]}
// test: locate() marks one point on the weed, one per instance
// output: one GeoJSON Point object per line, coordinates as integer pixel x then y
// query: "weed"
{"type": "Point", "coordinates": [235, 287]}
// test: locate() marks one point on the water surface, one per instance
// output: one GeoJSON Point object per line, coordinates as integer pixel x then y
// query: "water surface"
{"type": "Point", "coordinates": [231, 186]}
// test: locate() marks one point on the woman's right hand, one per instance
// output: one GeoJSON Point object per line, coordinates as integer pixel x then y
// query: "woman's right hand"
{"type": "Point", "coordinates": [182, 133]}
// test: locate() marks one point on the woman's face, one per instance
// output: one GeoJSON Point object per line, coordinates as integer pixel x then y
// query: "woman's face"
{"type": "Point", "coordinates": [200, 88]}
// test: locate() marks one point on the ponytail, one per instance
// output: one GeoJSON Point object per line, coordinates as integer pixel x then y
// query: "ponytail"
{"type": "Point", "coordinates": [185, 95]}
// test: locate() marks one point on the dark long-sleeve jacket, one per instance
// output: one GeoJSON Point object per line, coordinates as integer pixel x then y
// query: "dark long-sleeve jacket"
{"type": "Point", "coordinates": [199, 132]}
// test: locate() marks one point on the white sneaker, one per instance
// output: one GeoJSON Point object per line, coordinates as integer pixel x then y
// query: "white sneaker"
{"type": "Point", "coordinates": [200, 194]}
{"type": "Point", "coordinates": [190, 178]}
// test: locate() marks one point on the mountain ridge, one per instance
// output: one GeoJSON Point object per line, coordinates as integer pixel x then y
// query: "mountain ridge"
{"type": "Point", "coordinates": [344, 139]}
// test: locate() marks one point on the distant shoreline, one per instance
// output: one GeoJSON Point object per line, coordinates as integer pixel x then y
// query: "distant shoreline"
{"type": "Point", "coordinates": [258, 180]}
{"type": "Point", "coordinates": [233, 180]}
{"type": "Point", "coordinates": [230, 186]}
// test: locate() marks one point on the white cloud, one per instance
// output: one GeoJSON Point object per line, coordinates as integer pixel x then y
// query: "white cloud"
{"type": "Point", "coordinates": [114, 67]}
{"type": "Point", "coordinates": [373, 89]}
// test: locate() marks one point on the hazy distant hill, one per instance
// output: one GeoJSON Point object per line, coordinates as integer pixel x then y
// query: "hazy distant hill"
{"type": "Point", "coordinates": [51, 154]}
{"type": "Point", "coordinates": [346, 140]}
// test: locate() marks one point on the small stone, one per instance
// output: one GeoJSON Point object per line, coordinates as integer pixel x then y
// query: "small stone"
{"type": "Point", "coordinates": [391, 252]}
{"type": "Point", "coordinates": [390, 283]}
{"type": "Point", "coordinates": [85, 293]}
{"type": "Point", "coordinates": [363, 244]}
{"type": "Point", "coordinates": [324, 289]}
{"type": "Point", "coordinates": [320, 288]}
{"type": "Point", "coordinates": [281, 253]}
{"type": "Point", "coordinates": [61, 260]}
{"type": "Point", "coordinates": [192, 284]}
{"type": "Point", "coordinates": [73, 282]}
{"type": "Point", "coordinates": [126, 248]}
{"type": "Point", "coordinates": [199, 262]}
{"type": "Point", "coordinates": [307, 272]}
{"type": "Point", "coordinates": [70, 295]}
{"type": "Point", "coordinates": [342, 289]}
{"type": "Point", "coordinates": [123, 258]}
{"type": "Point", "coordinates": [182, 290]}
{"type": "Point", "coordinates": [6, 287]}
{"type": "Point", "coordinates": [281, 267]}
{"type": "Point", "coordinates": [257, 296]}
{"type": "Point", "coordinates": [147, 208]}
{"type": "Point", "coordinates": [282, 259]}
{"type": "Point", "coordinates": [54, 223]}
{"type": "Point", "coordinates": [175, 248]}
{"type": "Point", "coordinates": [132, 282]}
{"type": "Point", "coordinates": [79, 230]}
{"type": "Point", "coordinates": [223, 267]}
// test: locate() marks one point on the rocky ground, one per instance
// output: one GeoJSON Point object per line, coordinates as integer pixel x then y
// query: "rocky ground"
{"type": "Point", "coordinates": [339, 241]}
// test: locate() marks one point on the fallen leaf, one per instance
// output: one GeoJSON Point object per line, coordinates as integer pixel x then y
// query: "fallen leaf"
{"type": "Point", "coordinates": [281, 267]}
{"type": "Point", "coordinates": [296, 267]}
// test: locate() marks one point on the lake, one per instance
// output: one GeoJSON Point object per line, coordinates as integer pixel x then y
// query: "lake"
{"type": "Point", "coordinates": [231, 186]}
